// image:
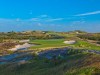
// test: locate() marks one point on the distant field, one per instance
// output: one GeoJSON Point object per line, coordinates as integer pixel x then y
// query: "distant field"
{"type": "Point", "coordinates": [59, 43]}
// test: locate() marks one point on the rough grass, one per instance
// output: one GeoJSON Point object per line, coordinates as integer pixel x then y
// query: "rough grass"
{"type": "Point", "coordinates": [79, 64]}
{"type": "Point", "coordinates": [85, 45]}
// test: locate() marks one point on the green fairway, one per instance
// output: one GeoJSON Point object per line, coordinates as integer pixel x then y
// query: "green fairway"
{"type": "Point", "coordinates": [53, 43]}
{"type": "Point", "coordinates": [48, 43]}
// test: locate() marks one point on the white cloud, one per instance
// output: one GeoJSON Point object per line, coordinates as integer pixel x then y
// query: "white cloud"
{"type": "Point", "coordinates": [54, 19]}
{"type": "Point", "coordinates": [45, 18]}
{"type": "Point", "coordinates": [89, 13]}
{"type": "Point", "coordinates": [37, 19]}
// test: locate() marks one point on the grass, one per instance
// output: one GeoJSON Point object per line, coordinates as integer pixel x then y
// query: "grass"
{"type": "Point", "coordinates": [78, 64]}
{"type": "Point", "coordinates": [85, 45]}
{"type": "Point", "coordinates": [74, 64]}
{"type": "Point", "coordinates": [48, 43]}
{"type": "Point", "coordinates": [53, 43]}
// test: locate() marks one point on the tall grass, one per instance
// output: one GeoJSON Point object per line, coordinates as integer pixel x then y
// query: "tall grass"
{"type": "Point", "coordinates": [76, 64]}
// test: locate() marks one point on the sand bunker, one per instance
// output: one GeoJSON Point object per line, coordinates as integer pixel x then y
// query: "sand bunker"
{"type": "Point", "coordinates": [19, 47]}
{"type": "Point", "coordinates": [70, 42]}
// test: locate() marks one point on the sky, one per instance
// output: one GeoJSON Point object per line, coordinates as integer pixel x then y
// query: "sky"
{"type": "Point", "coordinates": [52, 15]}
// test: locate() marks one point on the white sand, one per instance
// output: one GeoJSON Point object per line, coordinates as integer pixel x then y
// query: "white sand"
{"type": "Point", "coordinates": [24, 41]}
{"type": "Point", "coordinates": [26, 45]}
{"type": "Point", "coordinates": [70, 42]}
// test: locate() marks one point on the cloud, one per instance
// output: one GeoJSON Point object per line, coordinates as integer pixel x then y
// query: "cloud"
{"type": "Point", "coordinates": [26, 24]}
{"type": "Point", "coordinates": [45, 18]}
{"type": "Point", "coordinates": [54, 19]}
{"type": "Point", "coordinates": [89, 13]}
{"type": "Point", "coordinates": [39, 18]}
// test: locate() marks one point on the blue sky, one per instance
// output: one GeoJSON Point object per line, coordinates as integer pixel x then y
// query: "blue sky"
{"type": "Point", "coordinates": [53, 15]}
